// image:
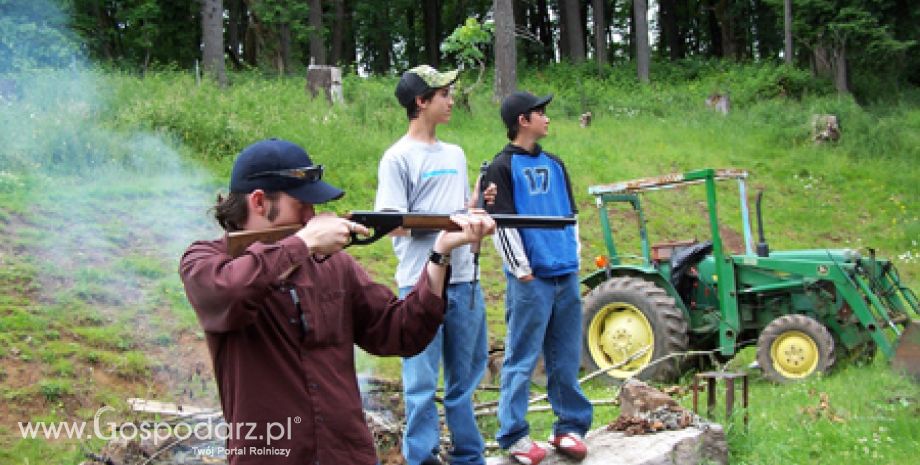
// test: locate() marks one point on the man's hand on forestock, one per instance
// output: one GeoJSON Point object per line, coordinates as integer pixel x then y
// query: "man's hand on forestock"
{"type": "Point", "coordinates": [473, 227]}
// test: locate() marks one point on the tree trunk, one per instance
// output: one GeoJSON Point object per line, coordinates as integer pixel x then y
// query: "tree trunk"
{"type": "Point", "coordinates": [520, 13]}
{"type": "Point", "coordinates": [432, 32]}
{"type": "Point", "coordinates": [233, 29]}
{"type": "Point", "coordinates": [631, 41]}
{"type": "Point", "coordinates": [380, 46]}
{"type": "Point", "coordinates": [212, 37]}
{"type": "Point", "coordinates": [104, 23]}
{"type": "Point", "coordinates": [669, 30]}
{"type": "Point", "coordinates": [574, 35]}
{"type": "Point", "coordinates": [787, 27]}
{"type": "Point", "coordinates": [715, 34]}
{"type": "Point", "coordinates": [599, 14]}
{"type": "Point", "coordinates": [565, 51]}
{"type": "Point", "coordinates": [284, 48]}
{"type": "Point", "coordinates": [505, 51]}
{"type": "Point", "coordinates": [727, 29]}
{"type": "Point", "coordinates": [317, 44]}
{"type": "Point", "coordinates": [821, 65]}
{"type": "Point", "coordinates": [642, 48]}
{"type": "Point", "coordinates": [583, 25]}
{"type": "Point", "coordinates": [251, 42]}
{"type": "Point", "coordinates": [546, 32]}
{"type": "Point", "coordinates": [412, 46]}
{"type": "Point", "coordinates": [338, 31]}
{"type": "Point", "coordinates": [350, 42]}
{"type": "Point", "coordinates": [841, 81]}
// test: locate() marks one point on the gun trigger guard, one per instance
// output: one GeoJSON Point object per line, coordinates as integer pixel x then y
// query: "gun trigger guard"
{"type": "Point", "coordinates": [378, 233]}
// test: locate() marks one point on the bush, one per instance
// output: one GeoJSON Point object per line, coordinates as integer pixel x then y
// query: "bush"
{"type": "Point", "coordinates": [54, 390]}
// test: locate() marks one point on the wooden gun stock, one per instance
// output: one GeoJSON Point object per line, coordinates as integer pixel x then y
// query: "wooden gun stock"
{"type": "Point", "coordinates": [382, 223]}
{"type": "Point", "coordinates": [238, 241]}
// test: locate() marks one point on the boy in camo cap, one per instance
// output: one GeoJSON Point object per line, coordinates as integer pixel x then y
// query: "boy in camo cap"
{"type": "Point", "coordinates": [420, 173]}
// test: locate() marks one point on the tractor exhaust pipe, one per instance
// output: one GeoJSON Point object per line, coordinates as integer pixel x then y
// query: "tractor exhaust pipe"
{"type": "Point", "coordinates": [763, 250]}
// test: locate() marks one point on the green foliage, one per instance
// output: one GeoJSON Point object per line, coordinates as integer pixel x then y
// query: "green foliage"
{"type": "Point", "coordinates": [33, 35]}
{"type": "Point", "coordinates": [55, 389]}
{"type": "Point", "coordinates": [133, 365]}
{"type": "Point", "coordinates": [677, 86]}
{"type": "Point", "coordinates": [139, 32]}
{"type": "Point", "coordinates": [467, 41]}
{"type": "Point", "coordinates": [466, 44]}
{"type": "Point", "coordinates": [877, 39]}
{"type": "Point", "coordinates": [106, 337]}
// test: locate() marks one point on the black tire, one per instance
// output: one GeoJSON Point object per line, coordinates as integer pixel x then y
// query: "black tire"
{"type": "Point", "coordinates": [794, 347]}
{"type": "Point", "coordinates": [614, 329]}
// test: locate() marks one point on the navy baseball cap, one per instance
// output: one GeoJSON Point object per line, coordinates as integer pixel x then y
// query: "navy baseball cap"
{"type": "Point", "coordinates": [276, 165]}
{"type": "Point", "coordinates": [520, 103]}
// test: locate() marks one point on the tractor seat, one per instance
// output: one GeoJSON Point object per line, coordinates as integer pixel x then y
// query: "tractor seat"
{"type": "Point", "coordinates": [682, 261]}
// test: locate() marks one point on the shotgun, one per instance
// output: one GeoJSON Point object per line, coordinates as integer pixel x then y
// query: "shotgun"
{"type": "Point", "coordinates": [382, 223]}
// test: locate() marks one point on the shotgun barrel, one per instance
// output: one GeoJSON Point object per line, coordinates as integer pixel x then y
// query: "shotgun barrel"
{"type": "Point", "coordinates": [382, 223]}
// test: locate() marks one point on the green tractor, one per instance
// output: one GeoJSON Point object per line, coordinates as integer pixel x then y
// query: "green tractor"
{"type": "Point", "coordinates": [805, 309]}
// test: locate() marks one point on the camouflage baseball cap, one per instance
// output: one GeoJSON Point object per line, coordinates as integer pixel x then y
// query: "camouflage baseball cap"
{"type": "Point", "coordinates": [419, 80]}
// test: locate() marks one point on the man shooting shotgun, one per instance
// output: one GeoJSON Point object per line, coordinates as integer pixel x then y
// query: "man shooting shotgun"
{"type": "Point", "coordinates": [379, 224]}
{"type": "Point", "coordinates": [281, 323]}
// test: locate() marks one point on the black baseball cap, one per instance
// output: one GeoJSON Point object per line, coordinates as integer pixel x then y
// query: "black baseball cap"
{"type": "Point", "coordinates": [519, 103]}
{"type": "Point", "coordinates": [275, 165]}
{"type": "Point", "coordinates": [419, 80]}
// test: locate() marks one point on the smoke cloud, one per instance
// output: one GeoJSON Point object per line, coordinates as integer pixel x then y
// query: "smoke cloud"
{"type": "Point", "coordinates": [102, 214]}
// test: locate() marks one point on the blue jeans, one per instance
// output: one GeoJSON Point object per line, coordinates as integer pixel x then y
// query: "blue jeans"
{"type": "Point", "coordinates": [543, 314]}
{"type": "Point", "coordinates": [462, 341]}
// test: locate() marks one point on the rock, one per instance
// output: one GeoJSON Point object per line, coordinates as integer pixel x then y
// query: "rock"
{"type": "Point", "coordinates": [637, 398]}
{"type": "Point", "coordinates": [703, 444]}
{"type": "Point", "coordinates": [656, 430]}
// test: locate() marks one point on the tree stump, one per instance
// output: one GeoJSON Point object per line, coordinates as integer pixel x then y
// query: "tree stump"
{"type": "Point", "coordinates": [825, 128]}
{"type": "Point", "coordinates": [719, 102]}
{"type": "Point", "coordinates": [325, 78]}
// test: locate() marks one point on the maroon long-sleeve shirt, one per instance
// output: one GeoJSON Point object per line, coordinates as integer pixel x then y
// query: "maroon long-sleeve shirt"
{"type": "Point", "coordinates": [275, 378]}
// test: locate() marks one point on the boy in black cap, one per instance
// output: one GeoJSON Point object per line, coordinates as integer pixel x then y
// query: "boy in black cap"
{"type": "Point", "coordinates": [421, 173]}
{"type": "Point", "coordinates": [281, 320]}
{"type": "Point", "coordinates": [542, 301]}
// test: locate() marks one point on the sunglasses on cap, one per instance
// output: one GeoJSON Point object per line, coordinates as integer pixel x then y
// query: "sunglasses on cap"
{"type": "Point", "coordinates": [307, 173]}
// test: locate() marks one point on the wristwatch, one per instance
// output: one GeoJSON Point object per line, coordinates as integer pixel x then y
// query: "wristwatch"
{"type": "Point", "coordinates": [441, 259]}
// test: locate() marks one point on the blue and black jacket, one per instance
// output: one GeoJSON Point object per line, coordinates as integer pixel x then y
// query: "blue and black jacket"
{"type": "Point", "coordinates": [533, 183]}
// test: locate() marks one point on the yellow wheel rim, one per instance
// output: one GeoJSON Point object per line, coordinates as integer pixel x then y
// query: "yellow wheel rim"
{"type": "Point", "coordinates": [617, 331]}
{"type": "Point", "coordinates": [795, 354]}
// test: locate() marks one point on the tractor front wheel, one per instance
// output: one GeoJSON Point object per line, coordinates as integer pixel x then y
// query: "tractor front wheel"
{"type": "Point", "coordinates": [794, 347]}
{"type": "Point", "coordinates": [623, 316]}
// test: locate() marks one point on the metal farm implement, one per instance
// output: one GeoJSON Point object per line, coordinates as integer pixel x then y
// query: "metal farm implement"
{"type": "Point", "coordinates": [807, 310]}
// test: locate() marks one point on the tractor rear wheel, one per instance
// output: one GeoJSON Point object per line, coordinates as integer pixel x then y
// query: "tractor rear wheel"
{"type": "Point", "coordinates": [624, 315]}
{"type": "Point", "coordinates": [794, 347]}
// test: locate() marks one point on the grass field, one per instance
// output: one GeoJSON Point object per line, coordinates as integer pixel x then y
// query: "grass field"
{"type": "Point", "coordinates": [105, 177]}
